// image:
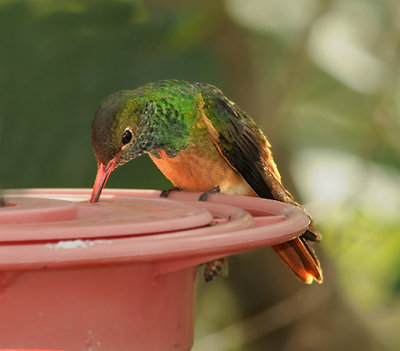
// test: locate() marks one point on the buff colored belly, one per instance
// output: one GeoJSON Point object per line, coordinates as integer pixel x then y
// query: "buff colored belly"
{"type": "Point", "coordinates": [193, 172]}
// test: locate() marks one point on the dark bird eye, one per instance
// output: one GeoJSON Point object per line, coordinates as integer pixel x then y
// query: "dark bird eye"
{"type": "Point", "coordinates": [126, 137]}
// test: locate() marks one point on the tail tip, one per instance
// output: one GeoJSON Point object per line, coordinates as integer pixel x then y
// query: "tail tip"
{"type": "Point", "coordinates": [309, 278]}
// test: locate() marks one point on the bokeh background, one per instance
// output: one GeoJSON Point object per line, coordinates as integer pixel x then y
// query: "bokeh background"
{"type": "Point", "coordinates": [321, 77]}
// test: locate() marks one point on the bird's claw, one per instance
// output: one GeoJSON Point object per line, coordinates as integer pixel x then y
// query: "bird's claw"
{"type": "Point", "coordinates": [204, 196]}
{"type": "Point", "coordinates": [213, 269]}
{"type": "Point", "coordinates": [165, 193]}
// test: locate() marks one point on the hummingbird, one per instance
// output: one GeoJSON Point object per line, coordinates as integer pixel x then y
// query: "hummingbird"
{"type": "Point", "coordinates": [200, 140]}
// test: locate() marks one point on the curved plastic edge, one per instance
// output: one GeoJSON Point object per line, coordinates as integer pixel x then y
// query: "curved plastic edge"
{"type": "Point", "coordinates": [283, 222]}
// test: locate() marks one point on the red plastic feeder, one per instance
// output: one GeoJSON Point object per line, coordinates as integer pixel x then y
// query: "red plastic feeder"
{"type": "Point", "coordinates": [119, 274]}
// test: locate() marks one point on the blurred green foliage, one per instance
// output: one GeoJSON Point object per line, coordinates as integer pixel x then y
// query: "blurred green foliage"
{"type": "Point", "coordinates": [59, 60]}
{"type": "Point", "coordinates": [321, 77]}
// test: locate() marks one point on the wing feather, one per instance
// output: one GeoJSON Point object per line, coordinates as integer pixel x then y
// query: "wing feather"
{"type": "Point", "coordinates": [243, 145]}
{"type": "Point", "coordinates": [245, 148]}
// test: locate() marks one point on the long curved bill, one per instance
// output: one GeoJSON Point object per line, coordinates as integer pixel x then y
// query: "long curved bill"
{"type": "Point", "coordinates": [103, 173]}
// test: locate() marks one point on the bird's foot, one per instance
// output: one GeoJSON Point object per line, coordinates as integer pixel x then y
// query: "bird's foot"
{"type": "Point", "coordinates": [311, 236]}
{"type": "Point", "coordinates": [204, 196]}
{"type": "Point", "coordinates": [165, 193]}
{"type": "Point", "coordinates": [213, 269]}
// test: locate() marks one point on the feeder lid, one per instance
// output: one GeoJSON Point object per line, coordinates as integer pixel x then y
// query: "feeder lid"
{"type": "Point", "coordinates": [67, 216]}
{"type": "Point", "coordinates": [59, 227]}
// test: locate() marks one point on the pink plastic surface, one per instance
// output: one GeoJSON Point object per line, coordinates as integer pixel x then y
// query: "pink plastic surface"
{"type": "Point", "coordinates": [120, 274]}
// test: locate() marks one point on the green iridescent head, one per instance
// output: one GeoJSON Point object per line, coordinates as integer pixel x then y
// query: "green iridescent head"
{"type": "Point", "coordinates": [132, 122]}
{"type": "Point", "coordinates": [117, 123]}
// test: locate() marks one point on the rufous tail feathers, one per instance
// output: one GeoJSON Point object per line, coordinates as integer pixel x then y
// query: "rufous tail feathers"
{"type": "Point", "coordinates": [300, 258]}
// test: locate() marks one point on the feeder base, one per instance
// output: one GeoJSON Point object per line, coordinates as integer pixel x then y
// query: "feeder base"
{"type": "Point", "coordinates": [97, 308]}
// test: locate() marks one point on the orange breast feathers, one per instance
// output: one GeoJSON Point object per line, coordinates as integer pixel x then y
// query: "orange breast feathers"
{"type": "Point", "coordinates": [192, 170]}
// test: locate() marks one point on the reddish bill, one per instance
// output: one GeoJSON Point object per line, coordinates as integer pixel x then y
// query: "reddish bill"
{"type": "Point", "coordinates": [103, 173]}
